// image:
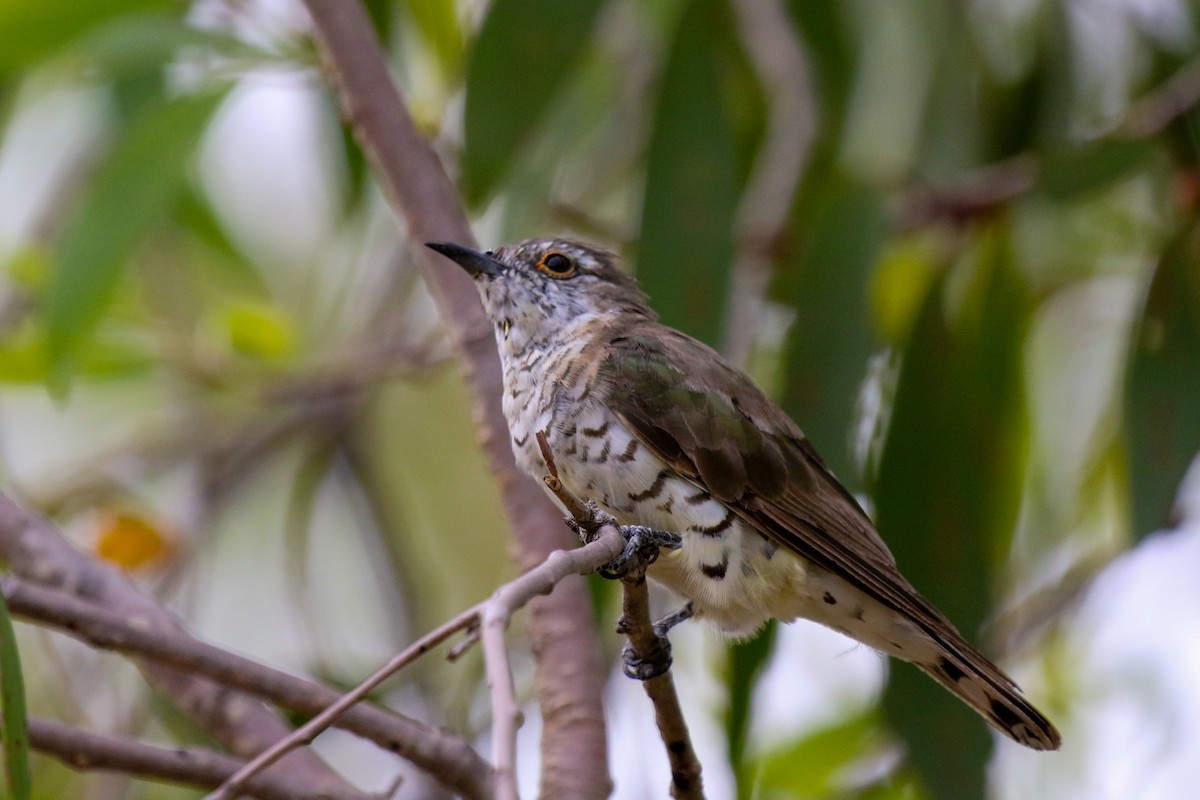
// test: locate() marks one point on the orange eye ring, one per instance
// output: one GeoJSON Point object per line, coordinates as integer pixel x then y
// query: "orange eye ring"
{"type": "Point", "coordinates": [557, 265]}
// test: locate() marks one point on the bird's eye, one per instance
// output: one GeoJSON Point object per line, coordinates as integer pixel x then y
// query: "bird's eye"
{"type": "Point", "coordinates": [557, 265]}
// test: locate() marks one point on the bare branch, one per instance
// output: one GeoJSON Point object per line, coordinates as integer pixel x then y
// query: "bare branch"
{"type": "Point", "coordinates": [36, 551]}
{"type": "Point", "coordinates": [492, 613]}
{"type": "Point", "coordinates": [1153, 113]}
{"type": "Point", "coordinates": [444, 756]}
{"type": "Point", "coordinates": [978, 194]}
{"type": "Point", "coordinates": [194, 766]}
{"type": "Point", "coordinates": [984, 191]}
{"type": "Point", "coordinates": [570, 672]}
{"type": "Point", "coordinates": [686, 781]}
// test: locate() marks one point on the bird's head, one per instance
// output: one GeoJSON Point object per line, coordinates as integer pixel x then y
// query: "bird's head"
{"type": "Point", "coordinates": [540, 288]}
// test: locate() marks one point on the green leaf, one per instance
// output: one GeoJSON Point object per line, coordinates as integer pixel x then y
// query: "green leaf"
{"type": "Point", "coordinates": [146, 42]}
{"type": "Point", "coordinates": [438, 22]}
{"type": "Point", "coordinates": [1071, 172]}
{"type": "Point", "coordinates": [746, 662]}
{"type": "Point", "coordinates": [691, 194]}
{"type": "Point", "coordinates": [130, 191]}
{"type": "Point", "coordinates": [843, 226]}
{"type": "Point", "coordinates": [948, 491]}
{"type": "Point", "coordinates": [1162, 393]}
{"type": "Point", "coordinates": [831, 48]}
{"type": "Point", "coordinates": [12, 706]}
{"type": "Point", "coordinates": [525, 50]}
{"type": "Point", "coordinates": [812, 767]}
{"type": "Point", "coordinates": [31, 30]}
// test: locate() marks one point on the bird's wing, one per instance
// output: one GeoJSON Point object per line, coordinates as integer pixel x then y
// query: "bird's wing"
{"type": "Point", "coordinates": [714, 426]}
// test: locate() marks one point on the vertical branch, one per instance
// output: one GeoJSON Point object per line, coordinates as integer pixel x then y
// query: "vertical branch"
{"type": "Point", "coordinates": [775, 50]}
{"type": "Point", "coordinates": [570, 674]}
{"type": "Point", "coordinates": [686, 782]}
{"type": "Point", "coordinates": [647, 644]}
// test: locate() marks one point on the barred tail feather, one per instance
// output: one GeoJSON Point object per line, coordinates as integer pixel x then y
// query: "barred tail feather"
{"type": "Point", "coordinates": [982, 686]}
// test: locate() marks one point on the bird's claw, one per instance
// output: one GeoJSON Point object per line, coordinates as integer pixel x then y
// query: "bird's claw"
{"type": "Point", "coordinates": [597, 518]}
{"type": "Point", "coordinates": [642, 546]}
{"type": "Point", "coordinates": [658, 660]}
{"type": "Point", "coordinates": [643, 668]}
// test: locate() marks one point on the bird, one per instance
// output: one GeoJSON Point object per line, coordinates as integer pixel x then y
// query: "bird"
{"type": "Point", "coordinates": [660, 431]}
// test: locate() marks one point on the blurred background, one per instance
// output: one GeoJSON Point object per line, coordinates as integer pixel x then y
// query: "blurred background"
{"type": "Point", "coordinates": [958, 241]}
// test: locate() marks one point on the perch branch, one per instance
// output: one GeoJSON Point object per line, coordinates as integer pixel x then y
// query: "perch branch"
{"type": "Point", "coordinates": [570, 672]}
{"type": "Point", "coordinates": [686, 781]}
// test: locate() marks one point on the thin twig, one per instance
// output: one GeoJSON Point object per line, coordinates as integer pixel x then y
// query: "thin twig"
{"type": "Point", "coordinates": [570, 671]}
{"type": "Point", "coordinates": [340, 707]}
{"type": "Point", "coordinates": [493, 612]}
{"type": "Point", "coordinates": [193, 766]}
{"type": "Point", "coordinates": [984, 191]}
{"type": "Point", "coordinates": [506, 716]}
{"type": "Point", "coordinates": [1179, 94]}
{"type": "Point", "coordinates": [975, 195]}
{"type": "Point", "coordinates": [444, 756]}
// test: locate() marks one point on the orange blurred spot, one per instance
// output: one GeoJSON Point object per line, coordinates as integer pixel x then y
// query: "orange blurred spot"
{"type": "Point", "coordinates": [131, 541]}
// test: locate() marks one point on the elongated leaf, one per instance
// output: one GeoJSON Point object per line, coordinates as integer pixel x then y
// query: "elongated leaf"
{"type": "Point", "coordinates": [32, 30]}
{"type": "Point", "coordinates": [829, 345]}
{"type": "Point", "coordinates": [691, 182]}
{"type": "Point", "coordinates": [831, 48]}
{"type": "Point", "coordinates": [135, 43]}
{"type": "Point", "coordinates": [525, 50]}
{"type": "Point", "coordinates": [1162, 394]}
{"type": "Point", "coordinates": [746, 662]}
{"type": "Point", "coordinates": [12, 706]}
{"type": "Point", "coordinates": [948, 493]}
{"type": "Point", "coordinates": [129, 193]}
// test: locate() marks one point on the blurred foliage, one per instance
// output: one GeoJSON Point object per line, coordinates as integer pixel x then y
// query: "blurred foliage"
{"type": "Point", "coordinates": [12, 707]}
{"type": "Point", "coordinates": [948, 487]}
{"type": "Point", "coordinates": [1164, 382]}
{"type": "Point", "coordinates": [983, 301]}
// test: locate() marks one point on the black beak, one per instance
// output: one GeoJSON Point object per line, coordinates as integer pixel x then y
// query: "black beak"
{"type": "Point", "coordinates": [473, 261]}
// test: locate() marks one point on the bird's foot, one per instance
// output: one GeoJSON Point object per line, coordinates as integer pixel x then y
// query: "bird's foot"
{"type": "Point", "coordinates": [642, 545]}
{"type": "Point", "coordinates": [643, 667]}
{"type": "Point", "coordinates": [588, 528]}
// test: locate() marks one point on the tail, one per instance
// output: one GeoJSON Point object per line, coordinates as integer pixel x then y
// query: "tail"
{"type": "Point", "coordinates": [981, 685]}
